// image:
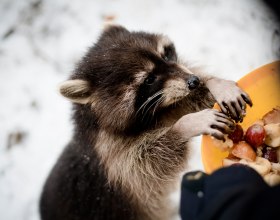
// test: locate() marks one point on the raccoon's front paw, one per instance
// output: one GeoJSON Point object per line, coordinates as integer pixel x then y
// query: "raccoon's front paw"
{"type": "Point", "coordinates": [231, 98]}
{"type": "Point", "coordinates": [208, 121]}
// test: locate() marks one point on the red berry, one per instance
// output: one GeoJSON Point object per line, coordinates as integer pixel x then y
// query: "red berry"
{"type": "Point", "coordinates": [255, 135]}
{"type": "Point", "coordinates": [237, 134]}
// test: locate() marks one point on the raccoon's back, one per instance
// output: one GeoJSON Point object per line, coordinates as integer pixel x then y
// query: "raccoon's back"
{"type": "Point", "coordinates": [77, 188]}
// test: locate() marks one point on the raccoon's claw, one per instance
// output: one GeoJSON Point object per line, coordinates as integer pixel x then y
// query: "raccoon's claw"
{"type": "Point", "coordinates": [218, 135]}
{"type": "Point", "coordinates": [208, 121]}
{"type": "Point", "coordinates": [236, 109]}
{"type": "Point", "coordinates": [231, 99]}
{"type": "Point", "coordinates": [247, 99]}
{"type": "Point", "coordinates": [220, 125]}
{"type": "Point", "coordinates": [233, 110]}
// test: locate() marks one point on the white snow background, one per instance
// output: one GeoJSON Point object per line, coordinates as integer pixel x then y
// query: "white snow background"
{"type": "Point", "coordinates": [40, 41]}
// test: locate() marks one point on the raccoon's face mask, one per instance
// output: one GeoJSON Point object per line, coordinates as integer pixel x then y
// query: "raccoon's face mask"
{"type": "Point", "coordinates": [129, 74]}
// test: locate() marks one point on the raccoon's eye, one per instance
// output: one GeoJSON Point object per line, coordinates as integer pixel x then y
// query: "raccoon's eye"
{"type": "Point", "coordinates": [150, 80]}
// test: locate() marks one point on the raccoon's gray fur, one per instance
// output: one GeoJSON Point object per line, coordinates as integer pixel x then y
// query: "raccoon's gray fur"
{"type": "Point", "coordinates": [131, 96]}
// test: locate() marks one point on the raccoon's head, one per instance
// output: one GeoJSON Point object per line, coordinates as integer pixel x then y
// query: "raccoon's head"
{"type": "Point", "coordinates": [129, 79]}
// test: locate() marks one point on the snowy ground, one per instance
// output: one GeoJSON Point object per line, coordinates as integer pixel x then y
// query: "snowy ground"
{"type": "Point", "coordinates": [40, 41]}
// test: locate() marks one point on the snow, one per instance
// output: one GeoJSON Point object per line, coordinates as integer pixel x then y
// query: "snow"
{"type": "Point", "coordinates": [40, 42]}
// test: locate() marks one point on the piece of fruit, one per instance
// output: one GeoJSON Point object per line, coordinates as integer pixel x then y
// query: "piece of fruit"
{"type": "Point", "coordinates": [259, 151]}
{"type": "Point", "coordinates": [231, 156]}
{"type": "Point", "coordinates": [237, 134]}
{"type": "Point", "coordinates": [273, 116]}
{"type": "Point", "coordinates": [272, 138]}
{"type": "Point", "coordinates": [244, 151]}
{"type": "Point", "coordinates": [272, 179]}
{"type": "Point", "coordinates": [223, 145]}
{"type": "Point", "coordinates": [275, 167]}
{"type": "Point", "coordinates": [228, 162]}
{"type": "Point", "coordinates": [278, 153]}
{"type": "Point", "coordinates": [261, 165]}
{"type": "Point", "coordinates": [255, 135]}
{"type": "Point", "coordinates": [270, 154]}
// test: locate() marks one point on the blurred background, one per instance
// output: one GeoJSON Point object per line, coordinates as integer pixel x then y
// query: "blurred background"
{"type": "Point", "coordinates": [40, 42]}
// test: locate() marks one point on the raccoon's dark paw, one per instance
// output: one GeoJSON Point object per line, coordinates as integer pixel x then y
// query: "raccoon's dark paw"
{"type": "Point", "coordinates": [231, 98]}
{"type": "Point", "coordinates": [208, 121]}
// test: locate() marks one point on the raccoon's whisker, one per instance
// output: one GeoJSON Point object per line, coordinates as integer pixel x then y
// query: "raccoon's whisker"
{"type": "Point", "coordinates": [155, 95]}
{"type": "Point", "coordinates": [143, 106]}
{"type": "Point", "coordinates": [149, 109]}
{"type": "Point", "coordinates": [176, 100]}
{"type": "Point", "coordinates": [154, 104]}
{"type": "Point", "coordinates": [157, 104]}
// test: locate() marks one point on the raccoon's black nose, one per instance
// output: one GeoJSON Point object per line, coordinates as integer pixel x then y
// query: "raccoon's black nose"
{"type": "Point", "coordinates": [193, 82]}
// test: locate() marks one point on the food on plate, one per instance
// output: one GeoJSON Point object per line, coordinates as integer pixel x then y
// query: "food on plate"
{"type": "Point", "coordinates": [237, 134]}
{"type": "Point", "coordinates": [272, 179]}
{"type": "Point", "coordinates": [261, 165]}
{"type": "Point", "coordinates": [257, 147]}
{"type": "Point", "coordinates": [223, 145]}
{"type": "Point", "coordinates": [270, 154]}
{"type": "Point", "coordinates": [255, 135]}
{"type": "Point", "coordinates": [244, 151]}
{"type": "Point", "coordinates": [272, 135]}
{"type": "Point", "coordinates": [275, 167]}
{"type": "Point", "coordinates": [272, 117]}
{"type": "Point", "coordinates": [228, 162]}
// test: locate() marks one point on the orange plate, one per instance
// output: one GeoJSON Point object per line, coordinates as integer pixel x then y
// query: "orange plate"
{"type": "Point", "coordinates": [263, 86]}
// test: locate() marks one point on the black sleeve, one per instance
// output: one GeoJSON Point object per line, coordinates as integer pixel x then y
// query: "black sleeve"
{"type": "Point", "coordinates": [232, 193]}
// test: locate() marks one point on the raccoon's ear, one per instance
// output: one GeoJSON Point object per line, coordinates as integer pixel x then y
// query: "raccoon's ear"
{"type": "Point", "coordinates": [112, 28]}
{"type": "Point", "coordinates": [76, 90]}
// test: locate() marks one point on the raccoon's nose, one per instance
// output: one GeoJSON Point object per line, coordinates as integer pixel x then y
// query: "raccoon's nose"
{"type": "Point", "coordinates": [193, 82]}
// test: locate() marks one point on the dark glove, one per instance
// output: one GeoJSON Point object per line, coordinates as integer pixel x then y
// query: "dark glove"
{"type": "Point", "coordinates": [232, 193]}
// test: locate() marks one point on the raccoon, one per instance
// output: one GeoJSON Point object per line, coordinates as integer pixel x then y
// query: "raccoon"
{"type": "Point", "coordinates": [135, 107]}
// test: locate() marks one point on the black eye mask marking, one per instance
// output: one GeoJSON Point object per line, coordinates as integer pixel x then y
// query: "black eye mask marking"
{"type": "Point", "coordinates": [148, 94]}
{"type": "Point", "coordinates": [150, 80]}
